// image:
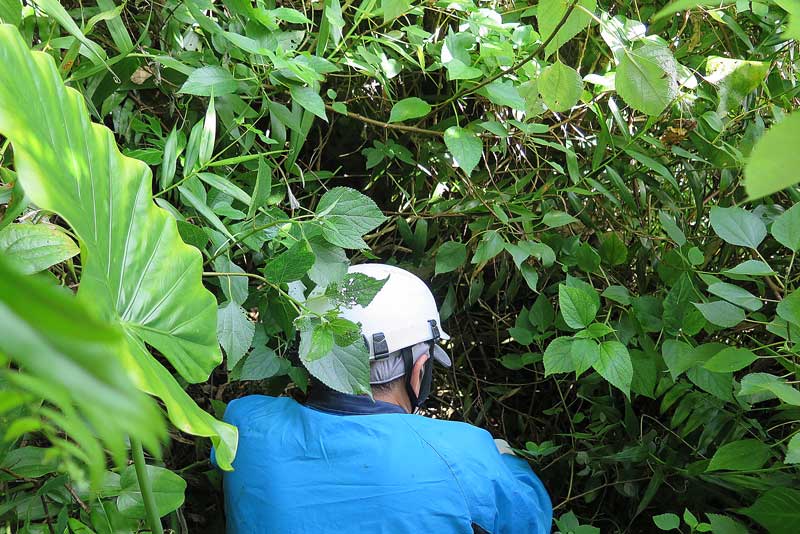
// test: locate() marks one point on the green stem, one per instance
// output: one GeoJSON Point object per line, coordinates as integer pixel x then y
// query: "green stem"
{"type": "Point", "coordinates": [153, 521]}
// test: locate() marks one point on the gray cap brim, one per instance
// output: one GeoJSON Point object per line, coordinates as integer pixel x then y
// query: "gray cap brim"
{"type": "Point", "coordinates": [441, 356]}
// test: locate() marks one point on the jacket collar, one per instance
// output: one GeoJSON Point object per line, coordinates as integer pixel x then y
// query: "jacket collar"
{"type": "Point", "coordinates": [336, 403]}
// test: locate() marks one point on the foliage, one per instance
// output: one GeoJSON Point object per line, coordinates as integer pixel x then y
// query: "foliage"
{"type": "Point", "coordinates": [567, 174]}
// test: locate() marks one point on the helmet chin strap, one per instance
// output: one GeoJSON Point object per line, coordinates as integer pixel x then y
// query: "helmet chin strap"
{"type": "Point", "coordinates": [418, 400]}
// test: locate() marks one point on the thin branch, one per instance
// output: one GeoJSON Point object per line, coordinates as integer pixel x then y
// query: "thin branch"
{"type": "Point", "coordinates": [403, 127]}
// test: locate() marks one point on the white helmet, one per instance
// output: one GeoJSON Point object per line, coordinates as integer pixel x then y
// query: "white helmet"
{"type": "Point", "coordinates": [402, 314]}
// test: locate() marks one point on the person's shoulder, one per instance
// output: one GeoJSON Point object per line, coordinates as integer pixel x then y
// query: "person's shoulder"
{"type": "Point", "coordinates": [453, 433]}
{"type": "Point", "coordinates": [249, 405]}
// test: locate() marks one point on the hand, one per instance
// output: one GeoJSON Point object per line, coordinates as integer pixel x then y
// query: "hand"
{"type": "Point", "coordinates": [503, 447]}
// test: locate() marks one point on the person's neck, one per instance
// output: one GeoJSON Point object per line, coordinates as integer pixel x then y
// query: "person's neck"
{"type": "Point", "coordinates": [397, 397]}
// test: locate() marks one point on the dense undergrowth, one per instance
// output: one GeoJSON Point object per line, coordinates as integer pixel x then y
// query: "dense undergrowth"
{"type": "Point", "coordinates": [568, 175]}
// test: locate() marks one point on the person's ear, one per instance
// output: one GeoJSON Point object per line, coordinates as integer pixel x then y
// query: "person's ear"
{"type": "Point", "coordinates": [417, 371]}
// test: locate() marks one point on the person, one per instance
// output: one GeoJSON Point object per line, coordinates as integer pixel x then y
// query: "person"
{"type": "Point", "coordinates": [350, 464]}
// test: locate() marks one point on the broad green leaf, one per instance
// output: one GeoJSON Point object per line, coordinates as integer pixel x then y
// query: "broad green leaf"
{"type": "Point", "coordinates": [684, 5]}
{"type": "Point", "coordinates": [718, 384]}
{"type": "Point", "coordinates": [455, 56]}
{"type": "Point", "coordinates": [738, 227]}
{"type": "Point", "coordinates": [344, 369]}
{"type": "Point", "coordinates": [722, 524]}
{"type": "Point", "coordinates": [585, 353]}
{"type": "Point", "coordinates": [618, 294]}
{"type": "Point", "coordinates": [793, 450]}
{"type": "Point", "coordinates": [394, 8]}
{"type": "Point", "coordinates": [778, 510]}
{"type": "Point", "coordinates": [346, 215]}
{"type": "Point", "coordinates": [765, 386]}
{"type": "Point", "coordinates": [330, 263]}
{"type": "Point", "coordinates": [490, 245]}
{"type": "Point", "coordinates": [11, 11]}
{"type": "Point", "coordinates": [615, 365]}
{"type": "Point", "coordinates": [721, 313]}
{"type": "Point", "coordinates": [730, 359]}
{"type": "Point", "coordinates": [31, 248]}
{"type": "Point", "coordinates": [167, 486]}
{"type": "Point", "coordinates": [551, 12]}
{"type": "Point", "coordinates": [789, 308]}
{"type": "Point", "coordinates": [79, 359]}
{"type": "Point", "coordinates": [774, 160]}
{"type": "Point", "coordinates": [672, 230]}
{"type": "Point", "coordinates": [315, 343]}
{"type": "Point", "coordinates": [291, 265]}
{"type": "Point", "coordinates": [556, 219]}
{"type": "Point", "coordinates": [735, 79]}
{"type": "Point", "coordinates": [558, 356]}
{"type": "Point", "coordinates": [679, 314]}
{"type": "Point", "coordinates": [206, 81]}
{"type": "Point", "coordinates": [786, 228]}
{"type": "Point", "coordinates": [309, 99]}
{"type": "Point", "coordinates": [560, 86]}
{"type": "Point", "coordinates": [450, 256]}
{"type": "Point", "coordinates": [409, 108]}
{"type": "Point", "coordinates": [578, 306]}
{"type": "Point", "coordinates": [646, 78]}
{"type": "Point", "coordinates": [235, 332]}
{"type": "Point", "coordinates": [542, 313]}
{"type": "Point", "coordinates": [680, 356]}
{"type": "Point", "coordinates": [667, 521]}
{"type": "Point", "coordinates": [54, 9]}
{"type": "Point", "coordinates": [750, 268]}
{"type": "Point", "coordinates": [736, 295]}
{"type": "Point", "coordinates": [742, 455]}
{"type": "Point", "coordinates": [504, 93]}
{"type": "Point", "coordinates": [465, 147]}
{"type": "Point", "coordinates": [135, 268]}
{"type": "Point", "coordinates": [261, 363]}
{"type": "Point", "coordinates": [355, 289]}
{"type": "Point", "coordinates": [234, 287]}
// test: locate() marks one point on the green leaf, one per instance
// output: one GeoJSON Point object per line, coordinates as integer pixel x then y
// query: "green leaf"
{"type": "Point", "coordinates": [750, 268]}
{"type": "Point", "coordinates": [721, 313]}
{"type": "Point", "coordinates": [168, 489]}
{"type": "Point", "coordinates": [262, 189]}
{"type": "Point", "coordinates": [78, 360]}
{"type": "Point", "coordinates": [742, 455]}
{"type": "Point", "coordinates": [450, 256]}
{"type": "Point", "coordinates": [409, 108]}
{"type": "Point", "coordinates": [261, 363]}
{"type": "Point", "coordinates": [560, 86]}
{"type": "Point", "coordinates": [585, 353]}
{"type": "Point", "coordinates": [766, 386]}
{"type": "Point", "coordinates": [291, 265]}
{"type": "Point", "coordinates": [735, 79]}
{"type": "Point", "coordinates": [615, 365]}
{"type": "Point", "coordinates": [235, 288]}
{"type": "Point", "coordinates": [315, 343]}
{"type": "Point", "coordinates": [344, 369]}
{"type": "Point", "coordinates": [646, 78]}
{"type": "Point", "coordinates": [578, 305]}
{"type": "Point", "coordinates": [730, 360]}
{"type": "Point", "coordinates": [667, 521]}
{"type": "Point", "coordinates": [490, 245]}
{"type": "Point", "coordinates": [788, 309]}
{"type": "Point", "coordinates": [672, 230]}
{"type": "Point", "coordinates": [135, 267]}
{"type": "Point", "coordinates": [786, 228]}
{"type": "Point", "coordinates": [309, 99]}
{"type": "Point", "coordinates": [465, 147]}
{"type": "Point", "coordinates": [558, 356]}
{"type": "Point", "coordinates": [738, 227]}
{"type": "Point", "coordinates": [556, 219]}
{"type": "Point", "coordinates": [235, 332]}
{"type": "Point", "coordinates": [504, 93]}
{"type": "Point", "coordinates": [330, 263]}
{"type": "Point", "coordinates": [736, 295]}
{"type": "Point", "coordinates": [551, 12]}
{"type": "Point", "coordinates": [11, 11]}
{"type": "Point", "coordinates": [56, 10]}
{"type": "Point", "coordinates": [721, 524]}
{"type": "Point", "coordinates": [169, 160]}
{"type": "Point", "coordinates": [346, 215]}
{"type": "Point", "coordinates": [206, 81]}
{"type": "Point", "coordinates": [31, 248]}
{"type": "Point", "coordinates": [778, 510]}
{"type": "Point", "coordinates": [774, 159]}
{"type": "Point", "coordinates": [618, 294]}
{"type": "Point", "coordinates": [356, 289]}
{"type": "Point", "coordinates": [793, 450]}
{"type": "Point", "coordinates": [394, 8]}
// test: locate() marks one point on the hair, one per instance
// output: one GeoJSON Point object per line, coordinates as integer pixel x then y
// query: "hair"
{"type": "Point", "coordinates": [388, 387]}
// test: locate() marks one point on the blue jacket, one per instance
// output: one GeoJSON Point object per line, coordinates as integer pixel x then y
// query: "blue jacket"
{"type": "Point", "coordinates": [346, 464]}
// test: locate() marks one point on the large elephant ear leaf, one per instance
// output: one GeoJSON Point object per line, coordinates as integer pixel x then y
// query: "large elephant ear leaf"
{"type": "Point", "coordinates": [136, 268]}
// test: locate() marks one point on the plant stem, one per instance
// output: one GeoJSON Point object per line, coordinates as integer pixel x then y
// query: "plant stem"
{"type": "Point", "coordinates": [149, 499]}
